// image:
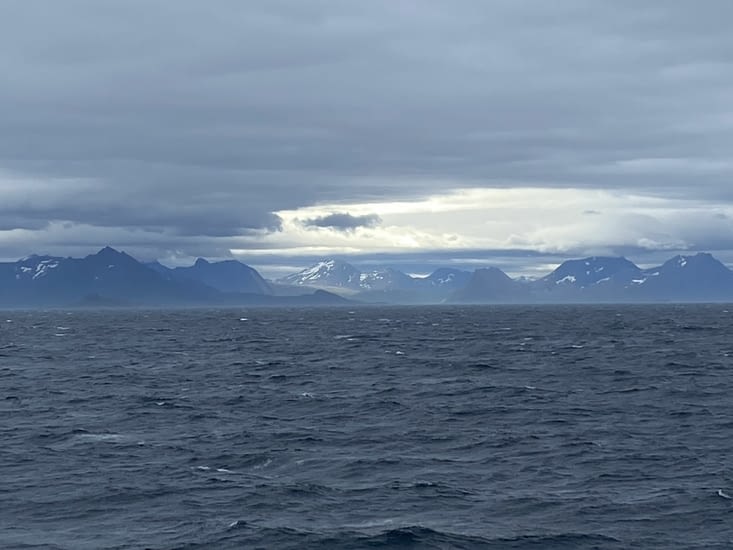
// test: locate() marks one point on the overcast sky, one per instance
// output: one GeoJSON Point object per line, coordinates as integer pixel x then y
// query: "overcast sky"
{"type": "Point", "coordinates": [414, 133]}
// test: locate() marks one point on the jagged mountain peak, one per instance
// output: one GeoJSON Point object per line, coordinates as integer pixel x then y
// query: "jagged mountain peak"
{"type": "Point", "coordinates": [114, 275]}
{"type": "Point", "coordinates": [108, 251]}
{"type": "Point", "coordinates": [109, 254]}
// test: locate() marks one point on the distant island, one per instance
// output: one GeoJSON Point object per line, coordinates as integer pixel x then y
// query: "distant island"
{"type": "Point", "coordinates": [111, 278]}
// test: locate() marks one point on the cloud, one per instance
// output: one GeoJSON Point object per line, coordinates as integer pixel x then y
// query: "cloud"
{"type": "Point", "coordinates": [193, 131]}
{"type": "Point", "coordinates": [343, 221]}
{"type": "Point", "coordinates": [469, 220]}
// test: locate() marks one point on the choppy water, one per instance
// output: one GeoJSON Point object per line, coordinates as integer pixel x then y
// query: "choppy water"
{"type": "Point", "coordinates": [516, 427]}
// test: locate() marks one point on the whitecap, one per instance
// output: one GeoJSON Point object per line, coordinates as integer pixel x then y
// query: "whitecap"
{"type": "Point", "coordinates": [723, 494]}
{"type": "Point", "coordinates": [370, 524]}
{"type": "Point", "coordinates": [203, 468]}
{"type": "Point", "coordinates": [104, 438]}
{"type": "Point", "coordinates": [223, 471]}
{"type": "Point", "coordinates": [399, 353]}
{"type": "Point", "coordinates": [243, 319]}
{"type": "Point", "coordinates": [265, 464]}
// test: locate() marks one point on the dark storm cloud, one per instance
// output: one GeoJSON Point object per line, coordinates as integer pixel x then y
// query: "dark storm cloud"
{"type": "Point", "coordinates": [343, 221]}
{"type": "Point", "coordinates": [199, 120]}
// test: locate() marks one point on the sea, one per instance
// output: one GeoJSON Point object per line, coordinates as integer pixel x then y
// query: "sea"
{"type": "Point", "coordinates": [442, 427]}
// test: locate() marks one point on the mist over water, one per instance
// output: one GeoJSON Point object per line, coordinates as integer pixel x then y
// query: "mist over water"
{"type": "Point", "coordinates": [422, 427]}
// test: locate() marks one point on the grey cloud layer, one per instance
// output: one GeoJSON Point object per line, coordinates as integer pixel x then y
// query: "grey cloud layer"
{"type": "Point", "coordinates": [200, 120]}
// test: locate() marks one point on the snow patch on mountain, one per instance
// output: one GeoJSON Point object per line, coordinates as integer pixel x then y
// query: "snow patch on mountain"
{"type": "Point", "coordinates": [326, 273]}
{"type": "Point", "coordinates": [337, 274]}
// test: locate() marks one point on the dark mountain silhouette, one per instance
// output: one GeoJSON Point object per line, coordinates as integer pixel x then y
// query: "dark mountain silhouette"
{"type": "Point", "coordinates": [686, 278]}
{"type": "Point", "coordinates": [112, 278]}
{"type": "Point", "coordinates": [696, 278]}
{"type": "Point", "coordinates": [108, 274]}
{"type": "Point", "coordinates": [491, 285]}
{"type": "Point", "coordinates": [226, 276]}
{"type": "Point", "coordinates": [595, 279]}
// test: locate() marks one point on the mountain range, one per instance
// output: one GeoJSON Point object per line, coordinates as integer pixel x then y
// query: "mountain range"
{"type": "Point", "coordinates": [113, 278]}
{"type": "Point", "coordinates": [383, 284]}
{"type": "Point", "coordinates": [693, 278]}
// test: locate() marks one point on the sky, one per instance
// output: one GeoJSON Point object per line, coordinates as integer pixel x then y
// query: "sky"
{"type": "Point", "coordinates": [514, 133]}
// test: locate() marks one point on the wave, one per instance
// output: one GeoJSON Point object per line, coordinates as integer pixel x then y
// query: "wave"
{"type": "Point", "coordinates": [242, 534]}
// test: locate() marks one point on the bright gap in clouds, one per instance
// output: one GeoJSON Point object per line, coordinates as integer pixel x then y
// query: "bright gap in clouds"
{"type": "Point", "coordinates": [555, 221]}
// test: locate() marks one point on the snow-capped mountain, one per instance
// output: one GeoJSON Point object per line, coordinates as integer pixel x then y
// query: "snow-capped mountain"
{"type": "Point", "coordinates": [328, 273]}
{"type": "Point", "coordinates": [588, 272]}
{"type": "Point", "coordinates": [379, 284]}
{"type": "Point", "coordinates": [35, 267]}
{"type": "Point", "coordinates": [114, 275]}
{"type": "Point", "coordinates": [111, 277]}
{"type": "Point", "coordinates": [597, 278]}
{"type": "Point", "coordinates": [385, 279]}
{"type": "Point", "coordinates": [448, 278]}
{"type": "Point", "coordinates": [700, 277]}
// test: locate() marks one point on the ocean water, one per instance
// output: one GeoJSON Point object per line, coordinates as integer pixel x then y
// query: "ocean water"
{"type": "Point", "coordinates": [424, 427]}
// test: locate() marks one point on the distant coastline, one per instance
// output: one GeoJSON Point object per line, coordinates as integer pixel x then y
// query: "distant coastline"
{"type": "Point", "coordinates": [111, 278]}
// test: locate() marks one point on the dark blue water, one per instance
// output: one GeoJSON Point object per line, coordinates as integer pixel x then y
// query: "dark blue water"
{"type": "Point", "coordinates": [516, 427]}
